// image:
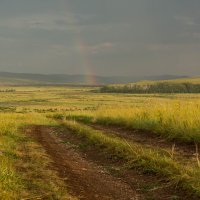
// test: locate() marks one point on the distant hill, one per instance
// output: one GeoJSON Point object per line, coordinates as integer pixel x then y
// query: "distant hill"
{"type": "Point", "coordinates": [7, 78]}
{"type": "Point", "coordinates": [182, 85]}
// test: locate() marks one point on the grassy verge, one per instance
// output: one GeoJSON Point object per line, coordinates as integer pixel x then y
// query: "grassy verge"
{"type": "Point", "coordinates": [178, 121]}
{"type": "Point", "coordinates": [24, 166]}
{"type": "Point", "coordinates": [152, 161]}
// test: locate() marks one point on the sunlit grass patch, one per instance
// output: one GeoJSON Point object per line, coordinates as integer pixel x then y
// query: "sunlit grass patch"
{"type": "Point", "coordinates": [173, 120]}
{"type": "Point", "coordinates": [24, 165]}
{"type": "Point", "coordinates": [173, 116]}
{"type": "Point", "coordinates": [139, 156]}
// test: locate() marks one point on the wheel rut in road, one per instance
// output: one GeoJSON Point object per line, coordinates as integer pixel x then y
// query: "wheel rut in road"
{"type": "Point", "coordinates": [84, 179]}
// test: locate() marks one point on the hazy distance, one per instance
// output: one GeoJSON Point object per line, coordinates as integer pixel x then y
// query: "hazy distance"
{"type": "Point", "coordinates": [102, 37]}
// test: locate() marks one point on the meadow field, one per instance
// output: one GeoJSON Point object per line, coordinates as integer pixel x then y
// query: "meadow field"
{"type": "Point", "coordinates": [149, 141]}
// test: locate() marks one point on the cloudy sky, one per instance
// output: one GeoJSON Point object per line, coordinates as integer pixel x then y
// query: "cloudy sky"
{"type": "Point", "coordinates": [104, 37]}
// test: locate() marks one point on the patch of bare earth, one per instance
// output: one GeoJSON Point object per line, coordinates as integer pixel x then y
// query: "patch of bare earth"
{"type": "Point", "coordinates": [84, 178]}
{"type": "Point", "coordinates": [148, 185]}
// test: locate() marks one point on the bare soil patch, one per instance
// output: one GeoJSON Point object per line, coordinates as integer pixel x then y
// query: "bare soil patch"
{"type": "Point", "coordinates": [148, 186]}
{"type": "Point", "coordinates": [84, 178]}
{"type": "Point", "coordinates": [93, 175]}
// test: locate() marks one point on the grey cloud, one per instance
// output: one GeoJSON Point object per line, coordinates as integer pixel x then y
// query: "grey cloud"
{"type": "Point", "coordinates": [186, 20]}
{"type": "Point", "coordinates": [47, 21]}
{"type": "Point", "coordinates": [138, 37]}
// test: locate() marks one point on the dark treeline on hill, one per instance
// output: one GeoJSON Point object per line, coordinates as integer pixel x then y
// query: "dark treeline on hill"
{"type": "Point", "coordinates": [154, 87]}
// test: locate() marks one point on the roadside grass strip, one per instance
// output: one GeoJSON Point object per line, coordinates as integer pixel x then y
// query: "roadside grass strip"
{"type": "Point", "coordinates": [24, 165]}
{"type": "Point", "coordinates": [175, 121]}
{"type": "Point", "coordinates": [138, 156]}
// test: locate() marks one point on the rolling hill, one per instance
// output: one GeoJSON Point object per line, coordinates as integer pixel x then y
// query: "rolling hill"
{"type": "Point", "coordinates": [7, 78]}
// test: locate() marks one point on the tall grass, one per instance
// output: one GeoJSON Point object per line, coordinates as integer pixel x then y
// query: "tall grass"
{"type": "Point", "coordinates": [174, 120]}
{"type": "Point", "coordinates": [24, 169]}
{"type": "Point", "coordinates": [137, 155]}
{"type": "Point", "coordinates": [157, 113]}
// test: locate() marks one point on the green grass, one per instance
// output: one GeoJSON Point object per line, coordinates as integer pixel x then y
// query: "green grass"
{"type": "Point", "coordinates": [179, 121]}
{"type": "Point", "coordinates": [169, 115]}
{"type": "Point", "coordinates": [24, 171]}
{"type": "Point", "coordinates": [151, 161]}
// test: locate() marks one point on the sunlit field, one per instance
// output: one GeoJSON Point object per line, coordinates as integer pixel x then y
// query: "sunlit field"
{"type": "Point", "coordinates": [173, 117]}
{"type": "Point", "coordinates": [24, 169]}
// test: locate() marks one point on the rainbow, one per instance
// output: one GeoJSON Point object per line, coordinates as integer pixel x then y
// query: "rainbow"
{"type": "Point", "coordinates": [90, 77]}
{"type": "Point", "coordinates": [83, 51]}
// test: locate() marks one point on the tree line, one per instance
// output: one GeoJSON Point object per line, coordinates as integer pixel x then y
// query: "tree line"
{"type": "Point", "coordinates": [8, 90]}
{"type": "Point", "coordinates": [163, 87]}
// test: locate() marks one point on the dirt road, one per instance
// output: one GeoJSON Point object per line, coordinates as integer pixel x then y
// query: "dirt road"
{"type": "Point", "coordinates": [84, 178]}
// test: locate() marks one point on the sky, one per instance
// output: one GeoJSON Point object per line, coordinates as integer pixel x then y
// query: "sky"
{"type": "Point", "coordinates": [102, 37]}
